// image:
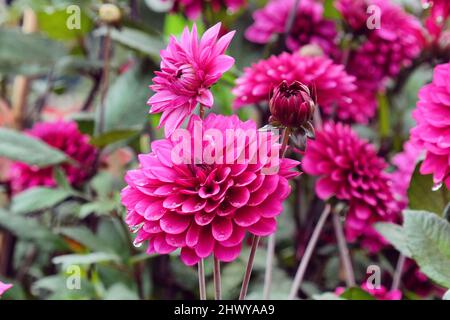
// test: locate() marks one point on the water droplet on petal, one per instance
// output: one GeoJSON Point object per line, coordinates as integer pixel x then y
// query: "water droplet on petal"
{"type": "Point", "coordinates": [136, 228]}
{"type": "Point", "coordinates": [137, 244]}
{"type": "Point", "coordinates": [437, 186]}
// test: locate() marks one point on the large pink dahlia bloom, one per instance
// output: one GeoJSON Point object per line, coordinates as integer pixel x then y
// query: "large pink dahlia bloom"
{"type": "Point", "coordinates": [432, 132]}
{"type": "Point", "coordinates": [309, 26]}
{"type": "Point", "coordinates": [320, 74]}
{"type": "Point", "coordinates": [193, 8]}
{"type": "Point", "coordinates": [189, 68]}
{"type": "Point", "coordinates": [66, 137]}
{"type": "Point", "coordinates": [206, 207]}
{"type": "Point", "coordinates": [350, 170]}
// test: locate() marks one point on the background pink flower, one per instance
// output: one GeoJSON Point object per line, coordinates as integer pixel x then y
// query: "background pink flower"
{"type": "Point", "coordinates": [4, 287]}
{"type": "Point", "coordinates": [330, 81]}
{"type": "Point", "coordinates": [432, 132]}
{"type": "Point", "coordinates": [189, 68]}
{"type": "Point", "coordinates": [439, 13]}
{"type": "Point", "coordinates": [309, 26]}
{"type": "Point", "coordinates": [350, 170]}
{"type": "Point", "coordinates": [193, 8]}
{"type": "Point", "coordinates": [65, 137]}
{"type": "Point", "coordinates": [204, 208]}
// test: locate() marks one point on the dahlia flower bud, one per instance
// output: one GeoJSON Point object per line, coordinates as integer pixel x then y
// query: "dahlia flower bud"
{"type": "Point", "coordinates": [291, 105]}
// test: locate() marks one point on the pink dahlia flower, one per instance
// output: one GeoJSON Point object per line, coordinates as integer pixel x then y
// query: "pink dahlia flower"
{"type": "Point", "coordinates": [432, 132]}
{"type": "Point", "coordinates": [193, 8]}
{"type": "Point", "coordinates": [354, 13]}
{"type": "Point", "coordinates": [380, 293]}
{"type": "Point", "coordinates": [392, 46]}
{"type": "Point", "coordinates": [439, 13]}
{"type": "Point", "coordinates": [350, 170]}
{"type": "Point", "coordinates": [360, 106]}
{"type": "Point", "coordinates": [309, 26]}
{"type": "Point", "coordinates": [65, 137]}
{"type": "Point", "coordinates": [4, 287]}
{"type": "Point", "coordinates": [320, 74]}
{"type": "Point", "coordinates": [189, 68]}
{"type": "Point", "coordinates": [206, 207]}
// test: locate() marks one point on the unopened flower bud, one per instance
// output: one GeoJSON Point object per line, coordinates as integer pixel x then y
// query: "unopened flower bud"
{"type": "Point", "coordinates": [110, 13]}
{"type": "Point", "coordinates": [291, 105]}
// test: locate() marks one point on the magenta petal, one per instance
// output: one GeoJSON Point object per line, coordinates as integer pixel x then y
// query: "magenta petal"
{"type": "Point", "coordinates": [176, 240]}
{"type": "Point", "coordinates": [189, 257]}
{"type": "Point", "coordinates": [238, 197]}
{"type": "Point", "coordinates": [161, 246]}
{"type": "Point", "coordinates": [247, 216]}
{"type": "Point", "coordinates": [203, 218]}
{"type": "Point", "coordinates": [205, 244]}
{"type": "Point", "coordinates": [192, 235]}
{"type": "Point", "coordinates": [237, 237]}
{"type": "Point", "coordinates": [325, 188]}
{"type": "Point", "coordinates": [263, 227]}
{"type": "Point", "coordinates": [174, 223]}
{"type": "Point", "coordinates": [222, 228]}
{"type": "Point", "coordinates": [227, 254]}
{"type": "Point", "coordinates": [154, 211]}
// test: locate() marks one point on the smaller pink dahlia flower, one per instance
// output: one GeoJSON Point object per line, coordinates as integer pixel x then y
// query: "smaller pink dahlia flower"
{"type": "Point", "coordinates": [193, 8]}
{"type": "Point", "coordinates": [309, 26]}
{"type": "Point", "coordinates": [4, 287]}
{"type": "Point", "coordinates": [206, 207]}
{"type": "Point", "coordinates": [392, 46]}
{"type": "Point", "coordinates": [350, 170]}
{"type": "Point", "coordinates": [329, 80]}
{"type": "Point", "coordinates": [432, 132]}
{"type": "Point", "coordinates": [189, 68]}
{"type": "Point", "coordinates": [66, 137]}
{"type": "Point", "coordinates": [354, 13]}
{"type": "Point", "coordinates": [380, 293]}
{"type": "Point", "coordinates": [439, 13]}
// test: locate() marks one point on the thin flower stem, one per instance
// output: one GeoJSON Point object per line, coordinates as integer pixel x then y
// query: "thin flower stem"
{"type": "Point", "coordinates": [308, 252]}
{"type": "Point", "coordinates": [201, 279]}
{"type": "Point", "coordinates": [343, 251]}
{"type": "Point", "coordinates": [398, 272]}
{"type": "Point", "coordinates": [269, 266]}
{"type": "Point", "coordinates": [202, 112]}
{"type": "Point", "coordinates": [217, 280]}
{"type": "Point", "coordinates": [248, 270]}
{"type": "Point", "coordinates": [271, 242]}
{"type": "Point", "coordinates": [106, 49]}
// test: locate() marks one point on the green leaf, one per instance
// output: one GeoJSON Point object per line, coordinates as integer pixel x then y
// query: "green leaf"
{"type": "Point", "coordinates": [119, 291]}
{"type": "Point", "coordinates": [429, 242]}
{"type": "Point", "coordinates": [137, 40]}
{"type": "Point", "coordinates": [61, 178]}
{"type": "Point", "coordinates": [423, 196]}
{"type": "Point", "coordinates": [99, 207]}
{"type": "Point", "coordinates": [395, 235]}
{"type": "Point", "coordinates": [86, 259]}
{"type": "Point", "coordinates": [125, 105]}
{"type": "Point", "coordinates": [356, 294]}
{"type": "Point", "coordinates": [38, 198]}
{"type": "Point", "coordinates": [18, 146]}
{"type": "Point", "coordinates": [174, 24]}
{"type": "Point", "coordinates": [330, 11]}
{"type": "Point", "coordinates": [29, 229]}
{"type": "Point", "coordinates": [107, 138]}
{"type": "Point", "coordinates": [84, 236]}
{"type": "Point", "coordinates": [27, 53]}
{"type": "Point", "coordinates": [54, 24]}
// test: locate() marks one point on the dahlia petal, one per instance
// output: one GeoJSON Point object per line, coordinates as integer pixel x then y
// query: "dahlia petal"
{"type": "Point", "coordinates": [222, 228]}
{"type": "Point", "coordinates": [174, 223]}
{"type": "Point", "coordinates": [264, 227]}
{"type": "Point", "coordinates": [227, 254]}
{"type": "Point", "coordinates": [238, 197]}
{"type": "Point", "coordinates": [247, 216]}
{"type": "Point", "coordinates": [205, 245]}
{"type": "Point", "coordinates": [189, 257]}
{"type": "Point", "coordinates": [193, 235]}
{"type": "Point", "coordinates": [325, 188]}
